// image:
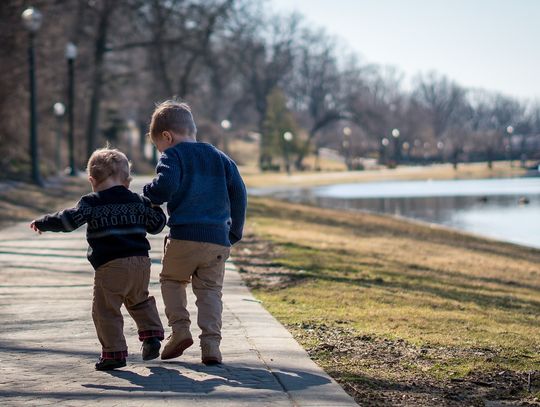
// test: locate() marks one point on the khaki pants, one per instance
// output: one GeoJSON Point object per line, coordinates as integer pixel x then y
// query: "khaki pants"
{"type": "Point", "coordinates": [203, 264]}
{"type": "Point", "coordinates": [123, 281]}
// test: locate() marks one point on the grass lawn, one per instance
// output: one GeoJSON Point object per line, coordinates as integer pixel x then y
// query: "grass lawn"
{"type": "Point", "coordinates": [400, 313]}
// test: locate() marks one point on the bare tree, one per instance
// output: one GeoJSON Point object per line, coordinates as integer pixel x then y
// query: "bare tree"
{"type": "Point", "coordinates": [446, 108]}
{"type": "Point", "coordinates": [316, 86]}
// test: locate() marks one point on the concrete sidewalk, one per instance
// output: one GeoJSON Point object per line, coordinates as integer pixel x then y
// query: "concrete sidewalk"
{"type": "Point", "coordinates": [48, 345]}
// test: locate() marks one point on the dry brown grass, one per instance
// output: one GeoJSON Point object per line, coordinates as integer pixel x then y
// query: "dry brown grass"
{"type": "Point", "coordinates": [20, 201]}
{"type": "Point", "coordinates": [455, 308]}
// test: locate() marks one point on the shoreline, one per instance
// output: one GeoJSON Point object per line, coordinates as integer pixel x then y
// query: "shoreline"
{"type": "Point", "coordinates": [306, 196]}
{"type": "Point", "coordinates": [419, 222]}
{"type": "Point", "coordinates": [254, 178]}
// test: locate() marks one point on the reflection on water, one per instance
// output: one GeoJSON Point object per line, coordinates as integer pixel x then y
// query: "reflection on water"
{"type": "Point", "coordinates": [487, 207]}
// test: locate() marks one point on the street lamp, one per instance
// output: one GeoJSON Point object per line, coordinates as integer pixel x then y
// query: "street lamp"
{"type": "Point", "coordinates": [397, 149]}
{"type": "Point", "coordinates": [225, 125]}
{"type": "Point", "coordinates": [509, 131]}
{"type": "Point", "coordinates": [382, 151]}
{"type": "Point", "coordinates": [59, 110]}
{"type": "Point", "coordinates": [71, 54]}
{"type": "Point", "coordinates": [32, 20]}
{"type": "Point", "coordinates": [287, 136]}
{"type": "Point", "coordinates": [440, 147]}
{"type": "Point", "coordinates": [406, 147]}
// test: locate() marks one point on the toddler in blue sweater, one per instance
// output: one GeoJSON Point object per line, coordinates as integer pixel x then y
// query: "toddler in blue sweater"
{"type": "Point", "coordinates": [206, 201]}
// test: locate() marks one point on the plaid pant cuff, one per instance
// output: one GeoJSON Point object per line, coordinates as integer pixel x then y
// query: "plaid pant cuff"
{"type": "Point", "coordinates": [121, 354]}
{"type": "Point", "coordinates": [151, 334]}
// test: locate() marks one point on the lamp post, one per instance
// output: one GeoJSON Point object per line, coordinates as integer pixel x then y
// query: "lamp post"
{"type": "Point", "coordinates": [32, 20]}
{"type": "Point", "coordinates": [71, 54]}
{"type": "Point", "coordinates": [287, 137]}
{"type": "Point", "coordinates": [382, 152]}
{"type": "Point", "coordinates": [346, 144]}
{"type": "Point", "coordinates": [406, 147]}
{"type": "Point", "coordinates": [440, 148]}
{"type": "Point", "coordinates": [509, 132]}
{"type": "Point", "coordinates": [397, 149]}
{"type": "Point", "coordinates": [225, 125]}
{"type": "Point", "coordinates": [59, 110]}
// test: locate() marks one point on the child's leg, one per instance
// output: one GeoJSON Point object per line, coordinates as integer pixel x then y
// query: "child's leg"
{"type": "Point", "coordinates": [179, 263]}
{"type": "Point", "coordinates": [175, 300]}
{"type": "Point", "coordinates": [139, 304]}
{"type": "Point", "coordinates": [109, 291]}
{"type": "Point", "coordinates": [207, 287]}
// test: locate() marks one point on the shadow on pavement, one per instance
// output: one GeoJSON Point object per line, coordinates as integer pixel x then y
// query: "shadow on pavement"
{"type": "Point", "coordinates": [171, 380]}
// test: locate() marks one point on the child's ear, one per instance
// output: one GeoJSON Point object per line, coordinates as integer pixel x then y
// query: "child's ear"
{"type": "Point", "coordinates": [92, 181]}
{"type": "Point", "coordinates": [167, 135]}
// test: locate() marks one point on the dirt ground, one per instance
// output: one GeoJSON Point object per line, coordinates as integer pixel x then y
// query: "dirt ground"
{"type": "Point", "coordinates": [371, 368]}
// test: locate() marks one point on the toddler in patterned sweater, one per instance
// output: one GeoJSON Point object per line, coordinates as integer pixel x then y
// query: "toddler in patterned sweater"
{"type": "Point", "coordinates": [117, 221]}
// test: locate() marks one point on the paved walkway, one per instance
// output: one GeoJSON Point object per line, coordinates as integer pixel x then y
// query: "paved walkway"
{"type": "Point", "coordinates": [48, 345]}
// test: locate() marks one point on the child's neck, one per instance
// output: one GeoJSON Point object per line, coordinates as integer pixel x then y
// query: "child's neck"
{"type": "Point", "coordinates": [109, 183]}
{"type": "Point", "coordinates": [183, 139]}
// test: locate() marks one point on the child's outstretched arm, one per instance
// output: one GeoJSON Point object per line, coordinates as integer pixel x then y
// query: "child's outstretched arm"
{"type": "Point", "coordinates": [238, 201]}
{"type": "Point", "coordinates": [167, 179]}
{"type": "Point", "coordinates": [63, 221]}
{"type": "Point", "coordinates": [155, 218]}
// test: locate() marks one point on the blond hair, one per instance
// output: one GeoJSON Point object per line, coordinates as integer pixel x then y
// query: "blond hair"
{"type": "Point", "coordinates": [174, 116]}
{"type": "Point", "coordinates": [108, 162]}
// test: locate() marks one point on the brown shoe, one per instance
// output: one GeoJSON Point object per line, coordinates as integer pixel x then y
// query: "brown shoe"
{"type": "Point", "coordinates": [211, 355]}
{"type": "Point", "coordinates": [176, 345]}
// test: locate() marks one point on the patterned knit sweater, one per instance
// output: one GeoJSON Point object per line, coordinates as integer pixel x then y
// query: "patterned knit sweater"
{"type": "Point", "coordinates": [117, 220]}
{"type": "Point", "coordinates": [206, 197]}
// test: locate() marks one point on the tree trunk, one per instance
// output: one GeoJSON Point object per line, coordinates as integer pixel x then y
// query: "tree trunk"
{"type": "Point", "coordinates": [97, 78]}
{"type": "Point", "coordinates": [455, 157]}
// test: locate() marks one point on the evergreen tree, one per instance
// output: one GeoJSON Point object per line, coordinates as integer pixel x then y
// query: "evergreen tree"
{"type": "Point", "coordinates": [278, 121]}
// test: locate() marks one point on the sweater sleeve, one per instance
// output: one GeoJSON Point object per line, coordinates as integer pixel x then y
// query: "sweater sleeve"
{"type": "Point", "coordinates": [167, 179]}
{"type": "Point", "coordinates": [66, 220]}
{"type": "Point", "coordinates": [155, 217]}
{"type": "Point", "coordinates": [238, 202]}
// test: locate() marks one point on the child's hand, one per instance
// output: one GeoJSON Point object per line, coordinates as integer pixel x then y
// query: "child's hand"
{"type": "Point", "coordinates": [34, 227]}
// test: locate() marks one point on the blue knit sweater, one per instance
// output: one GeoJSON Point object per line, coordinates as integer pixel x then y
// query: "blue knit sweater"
{"type": "Point", "coordinates": [206, 197]}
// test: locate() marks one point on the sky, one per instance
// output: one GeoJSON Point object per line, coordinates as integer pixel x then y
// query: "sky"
{"type": "Point", "coordinates": [490, 44]}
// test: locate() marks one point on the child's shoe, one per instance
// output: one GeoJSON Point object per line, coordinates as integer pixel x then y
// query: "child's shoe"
{"type": "Point", "coordinates": [176, 345]}
{"type": "Point", "coordinates": [211, 355]}
{"type": "Point", "coordinates": [110, 364]}
{"type": "Point", "coordinates": [150, 348]}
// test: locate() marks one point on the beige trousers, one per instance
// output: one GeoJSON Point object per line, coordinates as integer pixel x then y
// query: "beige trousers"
{"type": "Point", "coordinates": [202, 264]}
{"type": "Point", "coordinates": [123, 281]}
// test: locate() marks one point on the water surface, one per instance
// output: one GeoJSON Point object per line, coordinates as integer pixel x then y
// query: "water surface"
{"type": "Point", "coordinates": [505, 209]}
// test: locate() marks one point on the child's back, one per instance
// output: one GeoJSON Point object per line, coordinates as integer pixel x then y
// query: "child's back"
{"type": "Point", "coordinates": [117, 221]}
{"type": "Point", "coordinates": [203, 191]}
{"type": "Point", "coordinates": [206, 201]}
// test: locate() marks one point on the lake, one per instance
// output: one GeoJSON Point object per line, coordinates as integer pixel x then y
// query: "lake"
{"type": "Point", "coordinates": [504, 209]}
